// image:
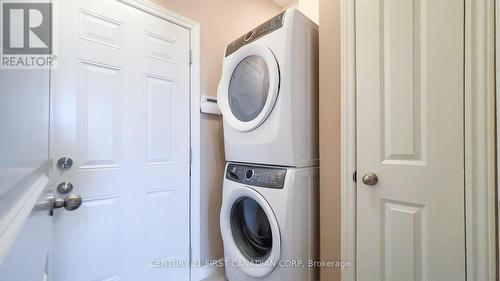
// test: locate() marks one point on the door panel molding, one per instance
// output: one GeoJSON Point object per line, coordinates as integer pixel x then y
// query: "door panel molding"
{"type": "Point", "coordinates": [404, 231]}
{"type": "Point", "coordinates": [99, 99]}
{"type": "Point", "coordinates": [403, 86]}
{"type": "Point", "coordinates": [480, 173]}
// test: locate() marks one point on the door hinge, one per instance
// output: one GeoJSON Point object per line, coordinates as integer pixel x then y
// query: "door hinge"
{"type": "Point", "coordinates": [355, 176]}
{"type": "Point", "coordinates": [190, 57]}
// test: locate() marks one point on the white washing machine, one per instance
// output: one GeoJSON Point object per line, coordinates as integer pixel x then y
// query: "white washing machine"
{"type": "Point", "coordinates": [268, 93]}
{"type": "Point", "coordinates": [269, 223]}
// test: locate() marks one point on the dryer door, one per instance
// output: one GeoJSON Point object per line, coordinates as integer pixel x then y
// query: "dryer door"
{"type": "Point", "coordinates": [250, 231]}
{"type": "Point", "coordinates": [249, 87]}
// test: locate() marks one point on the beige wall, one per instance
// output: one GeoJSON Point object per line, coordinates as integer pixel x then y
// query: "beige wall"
{"type": "Point", "coordinates": [292, 4]}
{"type": "Point", "coordinates": [221, 22]}
{"type": "Point", "coordinates": [309, 7]}
{"type": "Point", "coordinates": [330, 89]}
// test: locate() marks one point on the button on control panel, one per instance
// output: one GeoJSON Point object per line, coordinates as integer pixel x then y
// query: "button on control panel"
{"type": "Point", "coordinates": [256, 176]}
{"type": "Point", "coordinates": [262, 30]}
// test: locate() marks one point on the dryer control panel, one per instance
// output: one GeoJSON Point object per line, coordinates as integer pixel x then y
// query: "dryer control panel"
{"type": "Point", "coordinates": [263, 29]}
{"type": "Point", "coordinates": [256, 176]}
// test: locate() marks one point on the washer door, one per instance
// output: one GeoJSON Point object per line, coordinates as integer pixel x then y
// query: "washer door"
{"type": "Point", "coordinates": [249, 87]}
{"type": "Point", "coordinates": [250, 232]}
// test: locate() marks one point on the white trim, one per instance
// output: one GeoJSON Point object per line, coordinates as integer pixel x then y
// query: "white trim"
{"type": "Point", "coordinates": [348, 139]}
{"type": "Point", "coordinates": [14, 219]}
{"type": "Point", "coordinates": [497, 96]}
{"type": "Point", "coordinates": [195, 152]}
{"type": "Point", "coordinates": [480, 174]}
{"type": "Point", "coordinates": [194, 28]}
{"type": "Point", "coordinates": [162, 13]}
{"type": "Point", "coordinates": [213, 272]}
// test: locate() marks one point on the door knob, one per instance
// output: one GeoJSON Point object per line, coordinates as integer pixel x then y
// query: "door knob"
{"type": "Point", "coordinates": [370, 179]}
{"type": "Point", "coordinates": [70, 203]}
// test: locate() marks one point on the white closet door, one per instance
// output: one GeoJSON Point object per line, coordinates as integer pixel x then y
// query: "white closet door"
{"type": "Point", "coordinates": [410, 92]}
{"type": "Point", "coordinates": [121, 112]}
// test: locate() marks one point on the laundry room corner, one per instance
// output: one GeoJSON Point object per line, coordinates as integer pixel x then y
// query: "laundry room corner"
{"type": "Point", "coordinates": [249, 140]}
{"type": "Point", "coordinates": [216, 32]}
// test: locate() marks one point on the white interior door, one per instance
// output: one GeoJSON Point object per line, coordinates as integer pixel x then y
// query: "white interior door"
{"type": "Point", "coordinates": [410, 69]}
{"type": "Point", "coordinates": [121, 112]}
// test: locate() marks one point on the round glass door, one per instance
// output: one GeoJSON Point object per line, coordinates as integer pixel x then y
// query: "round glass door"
{"type": "Point", "coordinates": [249, 88]}
{"type": "Point", "coordinates": [251, 230]}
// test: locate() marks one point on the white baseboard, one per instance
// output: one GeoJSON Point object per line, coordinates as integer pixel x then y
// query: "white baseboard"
{"type": "Point", "coordinates": [210, 273]}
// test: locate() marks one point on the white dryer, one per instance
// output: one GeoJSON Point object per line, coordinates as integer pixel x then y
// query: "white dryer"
{"type": "Point", "coordinates": [269, 223]}
{"type": "Point", "coordinates": [268, 93]}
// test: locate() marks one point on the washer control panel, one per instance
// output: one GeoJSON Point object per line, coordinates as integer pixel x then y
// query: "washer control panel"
{"type": "Point", "coordinates": [263, 29]}
{"type": "Point", "coordinates": [256, 176]}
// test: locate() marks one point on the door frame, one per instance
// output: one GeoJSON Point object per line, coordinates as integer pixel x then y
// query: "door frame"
{"type": "Point", "coordinates": [480, 146]}
{"type": "Point", "coordinates": [497, 134]}
{"type": "Point", "coordinates": [195, 135]}
{"type": "Point", "coordinates": [348, 138]}
{"type": "Point", "coordinates": [479, 133]}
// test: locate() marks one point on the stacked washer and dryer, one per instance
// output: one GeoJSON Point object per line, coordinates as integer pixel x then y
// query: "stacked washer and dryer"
{"type": "Point", "coordinates": [268, 95]}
